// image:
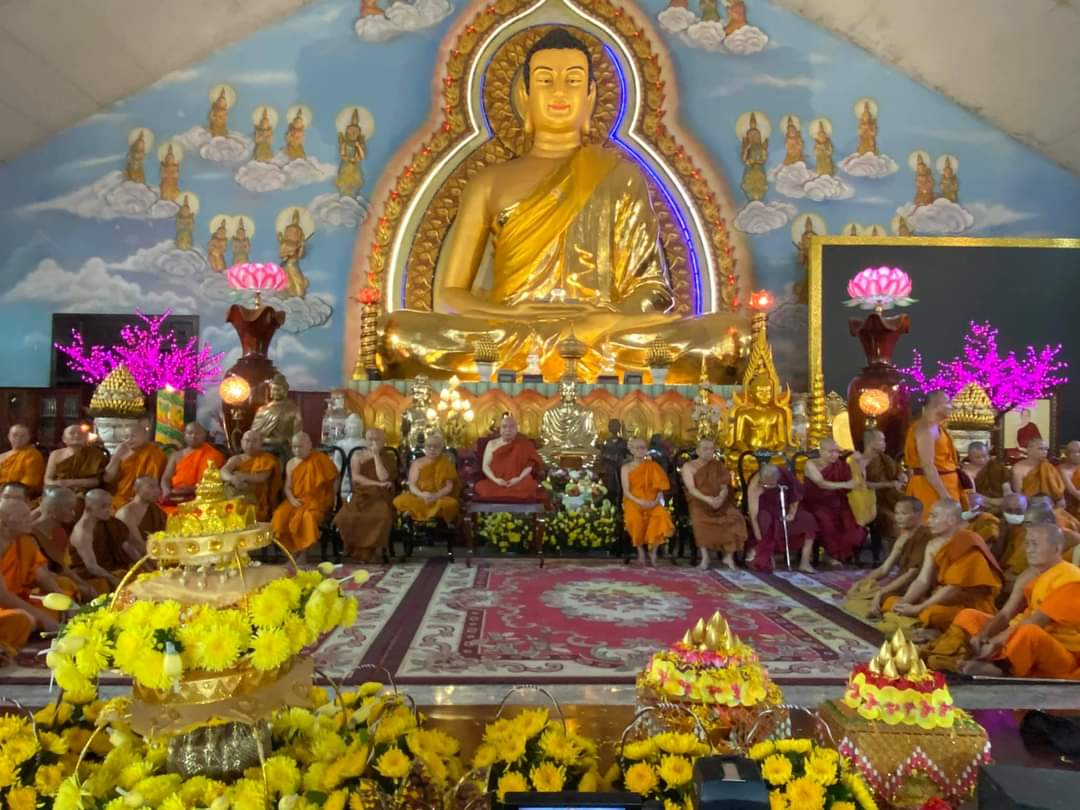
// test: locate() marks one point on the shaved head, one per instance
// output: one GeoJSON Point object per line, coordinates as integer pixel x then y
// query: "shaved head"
{"type": "Point", "coordinates": [14, 517]}
{"type": "Point", "coordinates": [1072, 452]}
{"type": "Point", "coordinates": [59, 503]}
{"type": "Point", "coordinates": [770, 474]}
{"type": "Point", "coordinates": [1014, 503]}
{"type": "Point", "coordinates": [98, 504]}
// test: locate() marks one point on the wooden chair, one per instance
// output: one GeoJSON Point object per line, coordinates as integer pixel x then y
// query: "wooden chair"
{"type": "Point", "coordinates": [429, 532]}
{"type": "Point", "coordinates": [329, 537]}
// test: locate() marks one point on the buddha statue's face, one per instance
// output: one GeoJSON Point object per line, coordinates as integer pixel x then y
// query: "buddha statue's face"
{"type": "Point", "coordinates": [567, 392]}
{"type": "Point", "coordinates": [762, 392]}
{"type": "Point", "coordinates": [559, 97]}
{"type": "Point", "coordinates": [277, 391]}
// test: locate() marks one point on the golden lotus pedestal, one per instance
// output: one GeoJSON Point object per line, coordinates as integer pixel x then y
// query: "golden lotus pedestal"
{"type": "Point", "coordinates": [906, 765]}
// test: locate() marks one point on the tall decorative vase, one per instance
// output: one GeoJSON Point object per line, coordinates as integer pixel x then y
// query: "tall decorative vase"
{"type": "Point", "coordinates": [878, 335]}
{"type": "Point", "coordinates": [255, 328]}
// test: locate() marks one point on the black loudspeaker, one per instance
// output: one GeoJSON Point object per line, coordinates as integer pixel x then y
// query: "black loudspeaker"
{"type": "Point", "coordinates": [1014, 787]}
{"type": "Point", "coordinates": [729, 783]}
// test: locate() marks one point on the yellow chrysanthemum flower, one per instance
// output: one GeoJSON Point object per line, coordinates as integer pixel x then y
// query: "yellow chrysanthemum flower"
{"type": "Point", "coordinates": [218, 648]}
{"type": "Point", "coordinates": [822, 769]}
{"type": "Point", "coordinates": [154, 789]}
{"type": "Point", "coordinates": [326, 746]}
{"type": "Point", "coordinates": [270, 649]}
{"type": "Point", "coordinates": [164, 615]}
{"type": "Point", "coordinates": [761, 750]}
{"type": "Point", "coordinates": [53, 743]}
{"type": "Point", "coordinates": [547, 777]}
{"type": "Point", "coordinates": [794, 746]}
{"type": "Point", "coordinates": [842, 806]}
{"type": "Point", "coordinates": [282, 775]}
{"type": "Point", "coordinates": [641, 778]}
{"type": "Point", "coordinates": [778, 801]}
{"type": "Point", "coordinates": [47, 779]}
{"type": "Point", "coordinates": [268, 608]}
{"type": "Point", "coordinates": [247, 794]}
{"type": "Point", "coordinates": [556, 745]}
{"type": "Point", "coordinates": [485, 756]}
{"type": "Point", "coordinates": [805, 794]}
{"type": "Point", "coordinates": [369, 689]}
{"type": "Point", "coordinates": [676, 771]}
{"type": "Point", "coordinates": [19, 748]}
{"type": "Point", "coordinates": [531, 722]}
{"type": "Point", "coordinates": [642, 749]}
{"type": "Point", "coordinates": [511, 782]}
{"type": "Point", "coordinates": [511, 749]}
{"type": "Point", "coordinates": [9, 772]}
{"type": "Point", "coordinates": [53, 714]}
{"type": "Point", "coordinates": [393, 764]}
{"type": "Point", "coordinates": [590, 782]}
{"type": "Point", "coordinates": [673, 743]}
{"type": "Point", "coordinates": [22, 798]}
{"type": "Point", "coordinates": [776, 769]}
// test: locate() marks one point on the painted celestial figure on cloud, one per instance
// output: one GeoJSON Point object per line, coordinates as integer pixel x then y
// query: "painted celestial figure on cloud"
{"type": "Point", "coordinates": [867, 160]}
{"type": "Point", "coordinates": [170, 154]}
{"type": "Point", "coordinates": [299, 119]}
{"type": "Point", "coordinates": [949, 183]}
{"type": "Point", "coordinates": [354, 125]}
{"type": "Point", "coordinates": [709, 32]}
{"type": "Point", "coordinates": [265, 119]}
{"type": "Point", "coordinates": [919, 161]}
{"type": "Point", "coordinates": [218, 244]}
{"type": "Point", "coordinates": [222, 98]}
{"type": "Point", "coordinates": [823, 146]}
{"type": "Point", "coordinates": [753, 129]}
{"type": "Point", "coordinates": [794, 148]}
{"type": "Point", "coordinates": [185, 220]}
{"type": "Point", "coordinates": [243, 229]}
{"type": "Point", "coordinates": [139, 140]}
{"type": "Point", "coordinates": [294, 226]}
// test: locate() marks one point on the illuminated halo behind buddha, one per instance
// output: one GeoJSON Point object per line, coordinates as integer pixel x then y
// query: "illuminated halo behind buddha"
{"type": "Point", "coordinates": [562, 235]}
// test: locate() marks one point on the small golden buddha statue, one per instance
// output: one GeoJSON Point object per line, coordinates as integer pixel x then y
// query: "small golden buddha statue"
{"type": "Point", "coordinates": [924, 182]}
{"type": "Point", "coordinates": [417, 412]}
{"type": "Point", "coordinates": [761, 416]}
{"type": "Point", "coordinates": [563, 236]}
{"type": "Point", "coordinates": [823, 149]}
{"type": "Point", "coordinates": [133, 171]}
{"type": "Point", "coordinates": [170, 175]}
{"type": "Point", "coordinates": [291, 250]}
{"type": "Point", "coordinates": [279, 419]}
{"type": "Point", "coordinates": [216, 247]}
{"type": "Point", "coordinates": [241, 244]}
{"type": "Point", "coordinates": [294, 138]}
{"type": "Point", "coordinates": [218, 120]}
{"type": "Point", "coordinates": [185, 225]}
{"type": "Point", "coordinates": [793, 144]}
{"type": "Point", "coordinates": [264, 138]}
{"type": "Point", "coordinates": [351, 143]}
{"type": "Point", "coordinates": [950, 183]}
{"type": "Point", "coordinates": [867, 131]}
{"type": "Point", "coordinates": [754, 153]}
{"type": "Point", "coordinates": [568, 428]}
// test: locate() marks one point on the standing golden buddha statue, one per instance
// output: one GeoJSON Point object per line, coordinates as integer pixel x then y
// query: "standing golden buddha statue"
{"type": "Point", "coordinates": [560, 238]}
{"type": "Point", "coordinates": [754, 152]}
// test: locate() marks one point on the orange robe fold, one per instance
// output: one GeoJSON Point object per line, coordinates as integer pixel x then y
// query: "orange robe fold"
{"type": "Point", "coordinates": [1072, 505]}
{"type": "Point", "coordinates": [991, 480]}
{"type": "Point", "coordinates": [154, 520]}
{"type": "Point", "coordinates": [985, 525]}
{"type": "Point", "coordinates": [945, 461]}
{"type": "Point", "coordinates": [724, 528]}
{"type": "Point", "coordinates": [647, 527]}
{"type": "Point", "coordinates": [365, 522]}
{"type": "Point", "coordinates": [967, 563]}
{"type": "Point", "coordinates": [189, 471]}
{"type": "Point", "coordinates": [18, 567]}
{"type": "Point", "coordinates": [26, 467]}
{"type": "Point", "coordinates": [54, 544]}
{"type": "Point", "coordinates": [147, 460]}
{"type": "Point", "coordinates": [432, 477]}
{"type": "Point", "coordinates": [507, 462]}
{"type": "Point", "coordinates": [1044, 479]}
{"type": "Point", "coordinates": [1013, 557]}
{"type": "Point", "coordinates": [108, 544]}
{"type": "Point", "coordinates": [266, 493]}
{"type": "Point", "coordinates": [314, 482]}
{"type": "Point", "coordinates": [881, 469]}
{"type": "Point", "coordinates": [85, 462]}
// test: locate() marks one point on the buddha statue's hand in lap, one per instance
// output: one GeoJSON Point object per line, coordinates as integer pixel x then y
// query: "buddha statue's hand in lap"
{"type": "Point", "coordinates": [573, 241]}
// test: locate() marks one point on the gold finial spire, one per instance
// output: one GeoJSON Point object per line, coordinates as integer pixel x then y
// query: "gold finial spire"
{"type": "Point", "coordinates": [210, 487]}
{"type": "Point", "coordinates": [118, 395]}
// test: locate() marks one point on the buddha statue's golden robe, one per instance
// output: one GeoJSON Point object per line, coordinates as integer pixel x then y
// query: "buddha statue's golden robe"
{"type": "Point", "coordinates": [589, 230]}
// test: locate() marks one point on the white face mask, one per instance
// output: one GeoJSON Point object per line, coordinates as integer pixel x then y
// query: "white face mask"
{"type": "Point", "coordinates": [1014, 520]}
{"type": "Point", "coordinates": [968, 515]}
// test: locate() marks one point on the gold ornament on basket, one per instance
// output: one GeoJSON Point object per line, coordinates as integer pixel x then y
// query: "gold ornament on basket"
{"type": "Point", "coordinates": [118, 396]}
{"type": "Point", "coordinates": [972, 410]}
{"type": "Point", "coordinates": [899, 658]}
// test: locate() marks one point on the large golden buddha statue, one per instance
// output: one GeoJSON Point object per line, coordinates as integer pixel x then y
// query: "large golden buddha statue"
{"type": "Point", "coordinates": [562, 236]}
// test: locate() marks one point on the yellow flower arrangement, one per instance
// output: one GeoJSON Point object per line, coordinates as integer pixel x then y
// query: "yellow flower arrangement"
{"type": "Point", "coordinates": [801, 774]}
{"type": "Point", "coordinates": [661, 767]}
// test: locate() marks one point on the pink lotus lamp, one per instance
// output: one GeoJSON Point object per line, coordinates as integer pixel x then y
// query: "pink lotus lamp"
{"type": "Point", "coordinates": [257, 277]}
{"type": "Point", "coordinates": [879, 289]}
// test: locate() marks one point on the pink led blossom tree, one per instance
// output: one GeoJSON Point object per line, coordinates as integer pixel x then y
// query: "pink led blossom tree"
{"type": "Point", "coordinates": [155, 360]}
{"type": "Point", "coordinates": [1009, 381]}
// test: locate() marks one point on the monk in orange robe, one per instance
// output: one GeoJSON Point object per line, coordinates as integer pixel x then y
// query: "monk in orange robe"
{"type": "Point", "coordinates": [22, 464]}
{"type": "Point", "coordinates": [102, 544]}
{"type": "Point", "coordinates": [1036, 475]}
{"type": "Point", "coordinates": [1036, 633]}
{"type": "Point", "coordinates": [906, 557]}
{"type": "Point", "coordinates": [989, 476]}
{"type": "Point", "coordinates": [433, 485]}
{"type": "Point", "coordinates": [143, 516]}
{"type": "Point", "coordinates": [1007, 544]}
{"type": "Point", "coordinates": [1070, 476]}
{"type": "Point", "coordinates": [647, 520]}
{"type": "Point", "coordinates": [984, 524]}
{"type": "Point", "coordinates": [133, 459]}
{"type": "Point", "coordinates": [958, 572]}
{"type": "Point", "coordinates": [717, 522]}
{"type": "Point", "coordinates": [23, 571]}
{"type": "Point", "coordinates": [311, 482]}
{"type": "Point", "coordinates": [255, 474]}
{"type": "Point", "coordinates": [512, 468]}
{"type": "Point", "coordinates": [185, 467]}
{"type": "Point", "coordinates": [366, 520]}
{"type": "Point", "coordinates": [77, 465]}
{"type": "Point", "coordinates": [931, 457]}
{"type": "Point", "coordinates": [55, 513]}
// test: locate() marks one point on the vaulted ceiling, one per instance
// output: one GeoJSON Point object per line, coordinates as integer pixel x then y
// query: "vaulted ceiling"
{"type": "Point", "coordinates": [1012, 62]}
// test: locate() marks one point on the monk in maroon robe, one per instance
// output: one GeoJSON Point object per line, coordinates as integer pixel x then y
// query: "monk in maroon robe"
{"type": "Point", "coordinates": [512, 468]}
{"type": "Point", "coordinates": [828, 482]}
{"type": "Point", "coordinates": [767, 518]}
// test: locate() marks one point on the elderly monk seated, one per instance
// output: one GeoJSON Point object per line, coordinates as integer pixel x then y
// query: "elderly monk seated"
{"type": "Point", "coordinates": [56, 512]}
{"type": "Point", "coordinates": [185, 467]}
{"type": "Point", "coordinates": [14, 492]}
{"type": "Point", "coordinates": [511, 467]}
{"type": "Point", "coordinates": [311, 481]}
{"type": "Point", "coordinates": [23, 571]}
{"type": "Point", "coordinates": [143, 516]}
{"type": "Point", "coordinates": [828, 482]}
{"type": "Point", "coordinates": [977, 519]}
{"type": "Point", "coordinates": [958, 572]}
{"type": "Point", "coordinates": [23, 463]}
{"type": "Point", "coordinates": [930, 455]}
{"type": "Point", "coordinates": [989, 476]}
{"type": "Point", "coordinates": [134, 458]}
{"type": "Point", "coordinates": [1066, 522]}
{"type": "Point", "coordinates": [905, 557]}
{"type": "Point", "coordinates": [647, 520]}
{"type": "Point", "coordinates": [1036, 634]}
{"type": "Point", "coordinates": [1007, 543]}
{"type": "Point", "coordinates": [717, 522]}
{"type": "Point", "coordinates": [254, 474]}
{"type": "Point", "coordinates": [1036, 475]}
{"type": "Point", "coordinates": [102, 543]}
{"type": "Point", "coordinates": [772, 500]}
{"type": "Point", "coordinates": [366, 520]}
{"type": "Point", "coordinates": [883, 475]}
{"type": "Point", "coordinates": [1070, 476]}
{"type": "Point", "coordinates": [433, 484]}
{"type": "Point", "coordinates": [77, 465]}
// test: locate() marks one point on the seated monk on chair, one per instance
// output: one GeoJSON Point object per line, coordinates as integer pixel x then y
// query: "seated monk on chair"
{"type": "Point", "coordinates": [718, 524]}
{"type": "Point", "coordinates": [1070, 476]}
{"type": "Point", "coordinates": [512, 468]}
{"type": "Point", "coordinates": [77, 465]}
{"type": "Point", "coordinates": [828, 481]}
{"type": "Point", "coordinates": [433, 485]}
{"type": "Point", "coordinates": [1036, 475]}
{"type": "Point", "coordinates": [254, 474]}
{"type": "Point", "coordinates": [366, 520]}
{"type": "Point", "coordinates": [988, 475]}
{"type": "Point", "coordinates": [958, 572]}
{"type": "Point", "coordinates": [930, 455]}
{"type": "Point", "coordinates": [905, 557]}
{"type": "Point", "coordinates": [56, 512]}
{"type": "Point", "coordinates": [186, 466]}
{"type": "Point", "coordinates": [102, 543]}
{"type": "Point", "coordinates": [311, 481]}
{"type": "Point", "coordinates": [22, 464]}
{"type": "Point", "coordinates": [23, 571]}
{"type": "Point", "coordinates": [769, 514]}
{"type": "Point", "coordinates": [647, 520]}
{"type": "Point", "coordinates": [133, 459]}
{"type": "Point", "coordinates": [143, 516]}
{"type": "Point", "coordinates": [1036, 634]}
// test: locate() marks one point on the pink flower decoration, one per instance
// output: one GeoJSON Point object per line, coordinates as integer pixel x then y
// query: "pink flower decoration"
{"type": "Point", "coordinates": [880, 288]}
{"type": "Point", "coordinates": [256, 276]}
